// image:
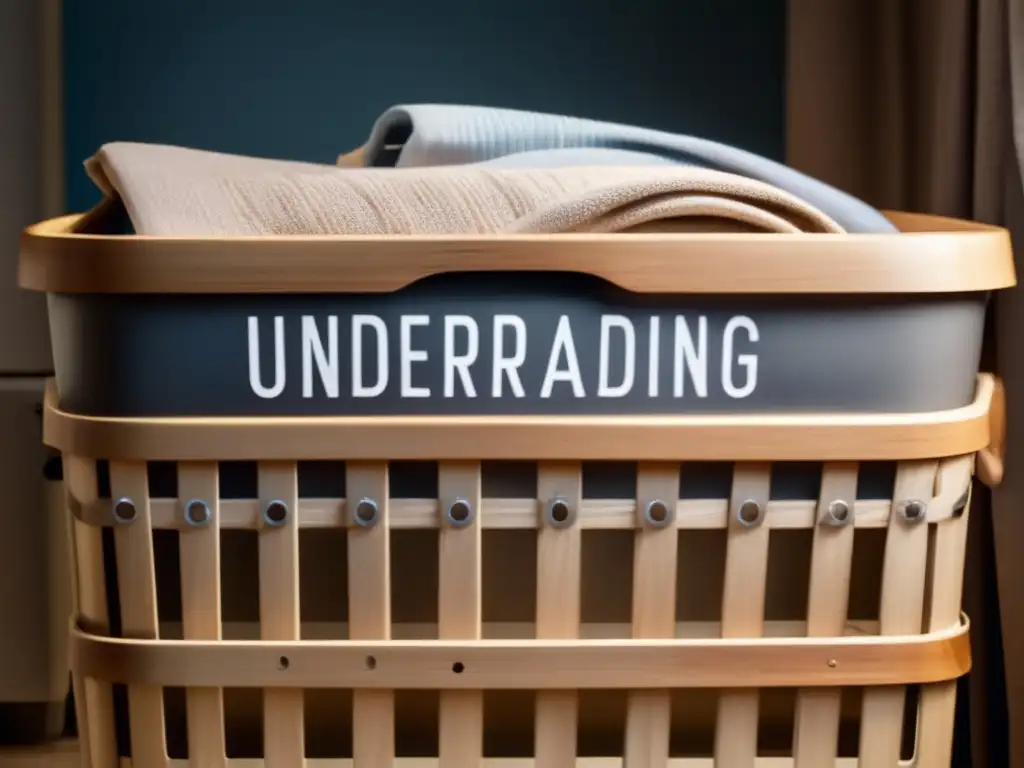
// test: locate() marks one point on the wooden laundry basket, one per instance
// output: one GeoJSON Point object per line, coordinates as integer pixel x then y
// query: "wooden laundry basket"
{"type": "Point", "coordinates": [289, 543]}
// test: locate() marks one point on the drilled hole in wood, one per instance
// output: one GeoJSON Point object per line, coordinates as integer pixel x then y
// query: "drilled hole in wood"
{"type": "Point", "coordinates": [458, 667]}
{"type": "Point", "coordinates": [371, 662]}
{"type": "Point", "coordinates": [124, 511]}
{"type": "Point", "coordinates": [559, 511]}
{"type": "Point", "coordinates": [460, 513]}
{"type": "Point", "coordinates": [366, 513]}
{"type": "Point", "coordinates": [276, 513]}
{"type": "Point", "coordinates": [283, 663]}
{"type": "Point", "coordinates": [197, 513]}
{"type": "Point", "coordinates": [913, 510]}
{"type": "Point", "coordinates": [838, 512]}
{"type": "Point", "coordinates": [749, 513]}
{"type": "Point", "coordinates": [657, 513]}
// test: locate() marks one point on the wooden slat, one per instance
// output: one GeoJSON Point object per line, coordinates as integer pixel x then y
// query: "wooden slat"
{"type": "Point", "coordinates": [816, 736]}
{"type": "Point", "coordinates": [42, 760]}
{"type": "Point", "coordinates": [459, 613]}
{"type": "Point", "coordinates": [596, 514]}
{"type": "Point", "coordinates": [369, 611]}
{"type": "Point", "coordinates": [902, 609]}
{"type": "Point", "coordinates": [938, 702]}
{"type": "Point", "coordinates": [62, 755]}
{"type": "Point", "coordinates": [94, 703]}
{"type": "Point", "coordinates": [655, 551]}
{"type": "Point", "coordinates": [663, 437]}
{"type": "Point", "coordinates": [649, 664]}
{"type": "Point", "coordinates": [558, 609]}
{"type": "Point", "coordinates": [283, 729]}
{"type": "Point", "coordinates": [136, 586]}
{"type": "Point", "coordinates": [201, 606]}
{"type": "Point", "coordinates": [746, 570]}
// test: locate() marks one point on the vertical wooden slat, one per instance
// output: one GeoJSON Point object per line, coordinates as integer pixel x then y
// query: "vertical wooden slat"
{"type": "Point", "coordinates": [283, 730]}
{"type": "Point", "coordinates": [655, 553]}
{"type": "Point", "coordinates": [902, 610]}
{"type": "Point", "coordinates": [558, 608]}
{"type": "Point", "coordinates": [816, 736]}
{"type": "Point", "coordinates": [62, 585]}
{"type": "Point", "coordinates": [459, 612]}
{"type": "Point", "coordinates": [746, 571]}
{"type": "Point", "coordinates": [369, 609]}
{"type": "Point", "coordinates": [938, 701]}
{"type": "Point", "coordinates": [136, 586]}
{"type": "Point", "coordinates": [94, 703]}
{"type": "Point", "coordinates": [199, 545]}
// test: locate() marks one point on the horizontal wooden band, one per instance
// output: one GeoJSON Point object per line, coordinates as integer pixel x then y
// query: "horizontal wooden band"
{"type": "Point", "coordinates": [505, 514]}
{"type": "Point", "coordinates": [528, 664]}
{"type": "Point", "coordinates": [934, 255]}
{"type": "Point", "coordinates": [502, 630]}
{"type": "Point", "coordinates": [811, 437]}
{"type": "Point", "coordinates": [65, 754]}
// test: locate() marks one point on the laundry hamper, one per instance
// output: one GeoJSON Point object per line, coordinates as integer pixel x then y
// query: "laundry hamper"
{"type": "Point", "coordinates": [666, 499]}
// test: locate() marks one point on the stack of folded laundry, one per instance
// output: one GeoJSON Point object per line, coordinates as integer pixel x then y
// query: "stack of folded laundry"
{"type": "Point", "coordinates": [448, 169]}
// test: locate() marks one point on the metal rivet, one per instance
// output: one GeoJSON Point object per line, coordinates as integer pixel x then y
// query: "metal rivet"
{"type": "Point", "coordinates": [197, 513]}
{"type": "Point", "coordinates": [366, 513]}
{"type": "Point", "coordinates": [560, 513]}
{"type": "Point", "coordinates": [124, 511]}
{"type": "Point", "coordinates": [750, 514]}
{"type": "Point", "coordinates": [460, 513]}
{"type": "Point", "coordinates": [276, 514]}
{"type": "Point", "coordinates": [838, 514]}
{"type": "Point", "coordinates": [913, 510]}
{"type": "Point", "coordinates": [658, 514]}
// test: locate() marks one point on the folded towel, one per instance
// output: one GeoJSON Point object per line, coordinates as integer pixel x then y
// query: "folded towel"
{"type": "Point", "coordinates": [173, 191]}
{"type": "Point", "coordinates": [439, 134]}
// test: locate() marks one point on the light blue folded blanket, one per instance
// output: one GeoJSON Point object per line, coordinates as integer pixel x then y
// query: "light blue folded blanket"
{"type": "Point", "coordinates": [443, 134]}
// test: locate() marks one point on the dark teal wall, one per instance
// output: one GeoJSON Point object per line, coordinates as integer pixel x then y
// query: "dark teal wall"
{"type": "Point", "coordinates": [304, 79]}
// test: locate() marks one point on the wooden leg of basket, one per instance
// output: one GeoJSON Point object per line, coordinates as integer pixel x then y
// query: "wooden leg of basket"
{"type": "Point", "coordinates": [746, 572]}
{"type": "Point", "coordinates": [94, 703]}
{"type": "Point", "coordinates": [655, 552]}
{"type": "Point", "coordinates": [369, 605]}
{"type": "Point", "coordinates": [77, 681]}
{"type": "Point", "coordinates": [136, 586]}
{"type": "Point", "coordinates": [816, 736]}
{"type": "Point", "coordinates": [283, 728]}
{"type": "Point", "coordinates": [938, 702]}
{"type": "Point", "coordinates": [459, 607]}
{"type": "Point", "coordinates": [199, 544]}
{"type": "Point", "coordinates": [902, 609]}
{"type": "Point", "coordinates": [558, 606]}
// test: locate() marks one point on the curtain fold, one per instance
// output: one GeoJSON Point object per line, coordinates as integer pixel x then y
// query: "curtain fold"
{"type": "Point", "coordinates": [919, 105]}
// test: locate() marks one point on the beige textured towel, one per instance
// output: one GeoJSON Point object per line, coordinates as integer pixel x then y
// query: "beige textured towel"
{"type": "Point", "coordinates": [173, 191]}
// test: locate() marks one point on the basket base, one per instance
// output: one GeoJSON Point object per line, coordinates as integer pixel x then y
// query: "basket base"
{"type": "Point", "coordinates": [65, 755]}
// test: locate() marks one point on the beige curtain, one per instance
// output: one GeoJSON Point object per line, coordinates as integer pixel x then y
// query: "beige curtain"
{"type": "Point", "coordinates": [915, 105]}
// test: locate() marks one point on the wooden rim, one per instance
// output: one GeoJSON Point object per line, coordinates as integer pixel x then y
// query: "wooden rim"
{"type": "Point", "coordinates": [810, 437]}
{"type": "Point", "coordinates": [933, 255]}
{"type": "Point", "coordinates": [528, 664]}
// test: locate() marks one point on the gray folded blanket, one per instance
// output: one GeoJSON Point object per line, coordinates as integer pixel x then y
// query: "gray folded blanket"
{"type": "Point", "coordinates": [174, 191]}
{"type": "Point", "coordinates": [440, 134]}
